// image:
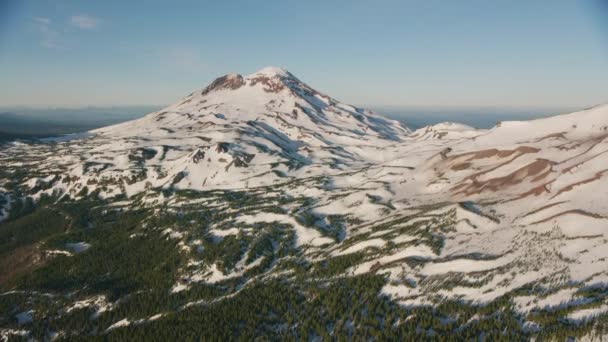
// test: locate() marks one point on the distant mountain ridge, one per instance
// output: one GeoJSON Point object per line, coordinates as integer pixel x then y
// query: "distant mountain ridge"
{"type": "Point", "coordinates": [31, 122]}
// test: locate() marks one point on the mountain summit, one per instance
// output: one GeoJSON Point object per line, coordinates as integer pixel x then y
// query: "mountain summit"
{"type": "Point", "coordinates": [267, 123]}
{"type": "Point", "coordinates": [274, 79]}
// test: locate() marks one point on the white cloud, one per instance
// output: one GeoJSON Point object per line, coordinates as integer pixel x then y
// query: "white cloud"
{"type": "Point", "coordinates": [186, 58]}
{"type": "Point", "coordinates": [43, 21]}
{"type": "Point", "coordinates": [50, 36]}
{"type": "Point", "coordinates": [84, 22]}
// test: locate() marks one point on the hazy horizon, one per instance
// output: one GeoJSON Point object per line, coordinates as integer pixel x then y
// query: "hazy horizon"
{"type": "Point", "coordinates": [42, 122]}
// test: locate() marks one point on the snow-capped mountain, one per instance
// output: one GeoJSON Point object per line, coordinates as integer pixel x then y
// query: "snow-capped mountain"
{"type": "Point", "coordinates": [446, 130]}
{"type": "Point", "coordinates": [444, 213]}
{"type": "Point", "coordinates": [528, 198]}
{"type": "Point", "coordinates": [241, 131]}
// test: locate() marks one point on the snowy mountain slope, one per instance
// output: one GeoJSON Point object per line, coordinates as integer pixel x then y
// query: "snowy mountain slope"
{"type": "Point", "coordinates": [530, 204]}
{"type": "Point", "coordinates": [239, 132]}
{"type": "Point", "coordinates": [294, 177]}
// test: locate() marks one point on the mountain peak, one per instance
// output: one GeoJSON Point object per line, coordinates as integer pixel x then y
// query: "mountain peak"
{"type": "Point", "coordinates": [271, 71]}
{"type": "Point", "coordinates": [273, 79]}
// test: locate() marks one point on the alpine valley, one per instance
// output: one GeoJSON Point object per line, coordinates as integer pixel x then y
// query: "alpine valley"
{"type": "Point", "coordinates": [260, 208]}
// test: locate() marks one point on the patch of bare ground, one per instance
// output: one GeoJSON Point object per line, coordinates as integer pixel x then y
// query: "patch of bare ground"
{"type": "Point", "coordinates": [20, 261]}
{"type": "Point", "coordinates": [551, 205]}
{"type": "Point", "coordinates": [478, 212]}
{"type": "Point", "coordinates": [461, 166]}
{"type": "Point", "coordinates": [570, 145]}
{"type": "Point", "coordinates": [569, 187]}
{"type": "Point", "coordinates": [461, 162]}
{"type": "Point", "coordinates": [270, 85]}
{"type": "Point", "coordinates": [204, 124]}
{"type": "Point", "coordinates": [535, 191]}
{"type": "Point", "coordinates": [573, 211]}
{"type": "Point", "coordinates": [225, 82]}
{"type": "Point", "coordinates": [536, 170]}
{"type": "Point", "coordinates": [557, 136]}
{"type": "Point", "coordinates": [593, 143]}
{"type": "Point", "coordinates": [569, 169]}
{"type": "Point", "coordinates": [467, 222]}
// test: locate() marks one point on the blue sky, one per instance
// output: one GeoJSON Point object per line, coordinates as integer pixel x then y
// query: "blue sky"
{"type": "Point", "coordinates": [469, 53]}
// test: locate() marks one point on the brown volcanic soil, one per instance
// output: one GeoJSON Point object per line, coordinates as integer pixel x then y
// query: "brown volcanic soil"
{"type": "Point", "coordinates": [225, 82]}
{"type": "Point", "coordinates": [471, 184]}
{"type": "Point", "coordinates": [494, 153]}
{"type": "Point", "coordinates": [538, 169]}
{"type": "Point", "coordinates": [535, 191]}
{"type": "Point", "coordinates": [270, 85]}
